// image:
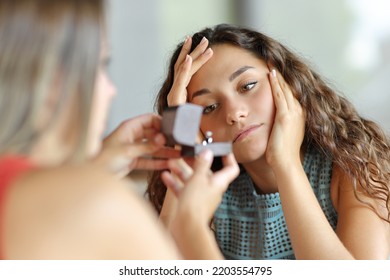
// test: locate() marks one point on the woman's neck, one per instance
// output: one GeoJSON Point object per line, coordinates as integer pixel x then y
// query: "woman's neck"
{"type": "Point", "coordinates": [49, 150]}
{"type": "Point", "coordinates": [262, 176]}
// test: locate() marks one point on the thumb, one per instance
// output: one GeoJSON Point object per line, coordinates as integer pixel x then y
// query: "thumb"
{"type": "Point", "coordinates": [203, 162]}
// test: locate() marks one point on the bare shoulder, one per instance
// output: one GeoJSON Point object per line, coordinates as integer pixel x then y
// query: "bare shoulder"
{"type": "Point", "coordinates": [342, 186]}
{"type": "Point", "coordinates": [359, 226]}
{"type": "Point", "coordinates": [81, 212]}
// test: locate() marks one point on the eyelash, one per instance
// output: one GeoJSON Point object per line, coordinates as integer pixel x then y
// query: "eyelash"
{"type": "Point", "coordinates": [210, 108]}
{"type": "Point", "coordinates": [244, 87]}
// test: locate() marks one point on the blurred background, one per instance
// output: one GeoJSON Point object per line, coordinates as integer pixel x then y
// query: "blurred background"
{"type": "Point", "coordinates": [347, 41]}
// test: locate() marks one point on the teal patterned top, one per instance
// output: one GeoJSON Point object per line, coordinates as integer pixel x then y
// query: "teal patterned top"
{"type": "Point", "coordinates": [249, 225]}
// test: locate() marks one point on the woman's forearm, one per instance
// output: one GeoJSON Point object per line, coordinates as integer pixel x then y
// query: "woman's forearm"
{"type": "Point", "coordinates": [311, 235]}
{"type": "Point", "coordinates": [168, 210]}
{"type": "Point", "coordinates": [195, 240]}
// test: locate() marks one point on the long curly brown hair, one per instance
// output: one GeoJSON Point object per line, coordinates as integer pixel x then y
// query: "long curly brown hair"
{"type": "Point", "coordinates": [359, 146]}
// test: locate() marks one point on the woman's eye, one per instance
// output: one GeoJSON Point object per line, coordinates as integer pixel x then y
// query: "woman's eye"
{"type": "Point", "coordinates": [248, 86]}
{"type": "Point", "coordinates": [210, 108]}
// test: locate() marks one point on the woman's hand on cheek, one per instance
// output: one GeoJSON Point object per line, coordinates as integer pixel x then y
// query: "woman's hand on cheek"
{"type": "Point", "coordinates": [289, 125]}
{"type": "Point", "coordinates": [187, 65]}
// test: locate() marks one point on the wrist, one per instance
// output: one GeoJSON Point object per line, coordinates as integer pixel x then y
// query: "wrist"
{"type": "Point", "coordinates": [186, 222]}
{"type": "Point", "coordinates": [286, 163]}
{"type": "Point", "coordinates": [195, 239]}
{"type": "Point", "coordinates": [287, 168]}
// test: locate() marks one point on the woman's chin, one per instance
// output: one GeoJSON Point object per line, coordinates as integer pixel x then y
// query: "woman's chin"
{"type": "Point", "coordinates": [246, 154]}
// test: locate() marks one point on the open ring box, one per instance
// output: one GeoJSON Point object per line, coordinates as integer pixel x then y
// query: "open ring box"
{"type": "Point", "coordinates": [180, 125]}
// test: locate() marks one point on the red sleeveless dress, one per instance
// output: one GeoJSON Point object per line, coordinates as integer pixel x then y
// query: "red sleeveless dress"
{"type": "Point", "coordinates": [11, 168]}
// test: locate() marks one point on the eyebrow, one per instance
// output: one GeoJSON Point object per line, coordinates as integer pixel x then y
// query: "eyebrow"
{"type": "Point", "coordinates": [238, 72]}
{"type": "Point", "coordinates": [234, 75]}
{"type": "Point", "coordinates": [199, 93]}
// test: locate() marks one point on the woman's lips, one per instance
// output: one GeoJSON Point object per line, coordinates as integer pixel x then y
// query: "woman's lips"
{"type": "Point", "coordinates": [245, 132]}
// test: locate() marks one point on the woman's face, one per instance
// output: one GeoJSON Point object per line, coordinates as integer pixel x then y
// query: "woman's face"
{"type": "Point", "coordinates": [234, 89]}
{"type": "Point", "coordinates": [104, 92]}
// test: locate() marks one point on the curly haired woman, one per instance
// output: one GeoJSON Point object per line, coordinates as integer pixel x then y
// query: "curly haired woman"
{"type": "Point", "coordinates": [315, 175]}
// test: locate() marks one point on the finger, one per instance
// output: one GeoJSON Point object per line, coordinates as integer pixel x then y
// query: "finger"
{"type": "Point", "coordinates": [201, 60]}
{"type": "Point", "coordinates": [139, 149]}
{"type": "Point", "coordinates": [185, 49]}
{"type": "Point", "coordinates": [180, 168]}
{"type": "Point", "coordinates": [171, 183]}
{"type": "Point", "coordinates": [149, 135]}
{"type": "Point", "coordinates": [290, 99]}
{"type": "Point", "coordinates": [150, 164]}
{"type": "Point", "coordinates": [148, 121]}
{"type": "Point", "coordinates": [178, 93]}
{"type": "Point", "coordinates": [203, 162]}
{"type": "Point", "coordinates": [277, 92]}
{"type": "Point", "coordinates": [229, 171]}
{"type": "Point", "coordinates": [138, 127]}
{"type": "Point", "coordinates": [190, 161]}
{"type": "Point", "coordinates": [200, 48]}
{"type": "Point", "coordinates": [167, 152]}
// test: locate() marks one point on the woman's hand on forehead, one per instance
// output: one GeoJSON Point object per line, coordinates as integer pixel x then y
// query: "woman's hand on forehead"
{"type": "Point", "coordinates": [186, 66]}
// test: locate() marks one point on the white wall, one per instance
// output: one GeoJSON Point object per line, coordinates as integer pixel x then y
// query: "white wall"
{"type": "Point", "coordinates": [136, 56]}
{"type": "Point", "coordinates": [143, 35]}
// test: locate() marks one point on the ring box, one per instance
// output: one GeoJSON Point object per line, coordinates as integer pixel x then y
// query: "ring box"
{"type": "Point", "coordinates": [180, 125]}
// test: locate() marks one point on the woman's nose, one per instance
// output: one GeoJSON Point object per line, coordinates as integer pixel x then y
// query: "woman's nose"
{"type": "Point", "coordinates": [236, 110]}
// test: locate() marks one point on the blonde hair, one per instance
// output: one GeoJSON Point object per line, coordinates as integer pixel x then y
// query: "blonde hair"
{"type": "Point", "coordinates": [41, 42]}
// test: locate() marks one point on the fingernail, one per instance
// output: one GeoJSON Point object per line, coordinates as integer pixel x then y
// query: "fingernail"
{"type": "Point", "coordinates": [207, 155]}
{"type": "Point", "coordinates": [203, 40]}
{"type": "Point", "coordinates": [159, 139]}
{"type": "Point", "coordinates": [273, 72]}
{"type": "Point", "coordinates": [208, 51]}
{"type": "Point", "coordinates": [186, 40]}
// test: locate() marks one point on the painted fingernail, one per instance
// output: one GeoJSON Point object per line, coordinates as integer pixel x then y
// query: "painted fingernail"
{"type": "Point", "coordinates": [273, 72]}
{"type": "Point", "coordinates": [208, 51]}
{"type": "Point", "coordinates": [203, 40]}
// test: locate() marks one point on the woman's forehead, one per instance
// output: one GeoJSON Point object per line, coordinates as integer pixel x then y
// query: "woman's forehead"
{"type": "Point", "coordinates": [226, 60]}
